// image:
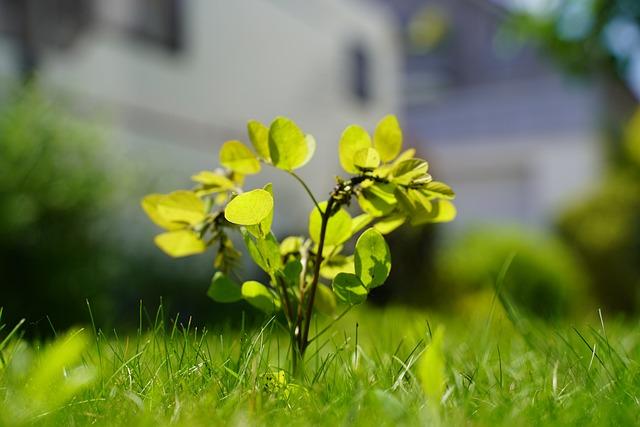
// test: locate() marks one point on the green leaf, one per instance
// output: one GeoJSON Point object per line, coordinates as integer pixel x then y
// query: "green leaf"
{"type": "Point", "coordinates": [223, 289]}
{"type": "Point", "coordinates": [387, 138]}
{"type": "Point", "coordinates": [349, 289]}
{"type": "Point", "coordinates": [252, 248]}
{"type": "Point", "coordinates": [359, 222]}
{"type": "Point", "coordinates": [291, 272]}
{"type": "Point", "coordinates": [337, 264]}
{"type": "Point", "coordinates": [378, 199]}
{"type": "Point", "coordinates": [407, 171]}
{"type": "Point", "coordinates": [180, 243]}
{"type": "Point", "coordinates": [213, 179]}
{"type": "Point", "coordinates": [366, 159]}
{"type": "Point", "coordinates": [288, 145]}
{"type": "Point", "coordinates": [338, 227]}
{"type": "Point", "coordinates": [431, 367]}
{"type": "Point", "coordinates": [291, 245]}
{"type": "Point", "coordinates": [389, 224]}
{"type": "Point", "coordinates": [259, 296]}
{"type": "Point", "coordinates": [353, 139]}
{"type": "Point", "coordinates": [438, 189]}
{"type": "Point", "coordinates": [175, 210]}
{"type": "Point", "coordinates": [239, 158]}
{"type": "Point", "coordinates": [311, 149]}
{"type": "Point", "coordinates": [441, 211]}
{"type": "Point", "coordinates": [372, 258]}
{"type": "Point", "coordinates": [325, 300]}
{"type": "Point", "coordinates": [264, 251]}
{"type": "Point", "coordinates": [249, 208]}
{"type": "Point", "coordinates": [259, 136]}
{"type": "Point", "coordinates": [263, 228]}
{"type": "Point", "coordinates": [150, 206]}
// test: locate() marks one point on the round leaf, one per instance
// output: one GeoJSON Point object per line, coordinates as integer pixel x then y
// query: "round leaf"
{"type": "Point", "coordinates": [349, 288]}
{"type": "Point", "coordinates": [372, 258]}
{"type": "Point", "coordinates": [259, 136]}
{"type": "Point", "coordinates": [239, 158]}
{"type": "Point", "coordinates": [367, 159]}
{"type": "Point", "coordinates": [213, 179]}
{"type": "Point", "coordinates": [150, 206]}
{"type": "Point", "coordinates": [288, 145]}
{"type": "Point", "coordinates": [180, 243]}
{"type": "Point", "coordinates": [387, 138]}
{"type": "Point", "coordinates": [338, 227]}
{"type": "Point", "coordinates": [353, 139]}
{"type": "Point", "coordinates": [223, 289]}
{"type": "Point", "coordinates": [174, 210]}
{"type": "Point", "coordinates": [259, 296]}
{"type": "Point", "coordinates": [249, 208]}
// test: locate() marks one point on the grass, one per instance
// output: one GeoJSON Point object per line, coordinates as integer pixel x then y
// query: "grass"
{"type": "Point", "coordinates": [498, 372]}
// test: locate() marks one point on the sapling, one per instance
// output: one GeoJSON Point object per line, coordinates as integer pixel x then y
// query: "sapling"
{"type": "Point", "coordinates": [306, 274]}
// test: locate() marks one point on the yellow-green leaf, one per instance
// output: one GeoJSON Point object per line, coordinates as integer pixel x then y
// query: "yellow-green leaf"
{"type": "Point", "coordinates": [353, 139]}
{"type": "Point", "coordinates": [337, 264]}
{"type": "Point", "coordinates": [263, 228]}
{"type": "Point", "coordinates": [175, 210]}
{"type": "Point", "coordinates": [407, 171]}
{"type": "Point", "coordinates": [179, 243]}
{"type": "Point", "coordinates": [259, 296]}
{"type": "Point", "coordinates": [388, 224]}
{"type": "Point", "coordinates": [359, 222]}
{"type": "Point", "coordinates": [150, 206]}
{"type": "Point", "coordinates": [223, 289]}
{"type": "Point", "coordinates": [387, 138]}
{"type": "Point", "coordinates": [249, 208]}
{"type": "Point", "coordinates": [431, 367]}
{"type": "Point", "coordinates": [288, 145]}
{"type": "Point", "coordinates": [259, 136]}
{"type": "Point", "coordinates": [349, 288]}
{"type": "Point", "coordinates": [372, 258]}
{"type": "Point", "coordinates": [338, 227]}
{"type": "Point", "coordinates": [239, 158]}
{"type": "Point", "coordinates": [366, 159]}
{"type": "Point", "coordinates": [438, 189]}
{"type": "Point", "coordinates": [442, 210]}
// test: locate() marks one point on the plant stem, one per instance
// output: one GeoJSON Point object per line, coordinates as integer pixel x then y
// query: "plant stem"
{"type": "Point", "coordinates": [307, 189]}
{"type": "Point", "coordinates": [316, 275]}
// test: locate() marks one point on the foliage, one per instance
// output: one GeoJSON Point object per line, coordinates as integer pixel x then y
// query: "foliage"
{"type": "Point", "coordinates": [391, 188]}
{"type": "Point", "coordinates": [54, 187]}
{"type": "Point", "coordinates": [590, 37]}
{"type": "Point", "coordinates": [541, 276]}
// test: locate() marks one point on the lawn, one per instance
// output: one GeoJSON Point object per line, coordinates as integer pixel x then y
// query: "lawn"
{"type": "Point", "coordinates": [364, 371]}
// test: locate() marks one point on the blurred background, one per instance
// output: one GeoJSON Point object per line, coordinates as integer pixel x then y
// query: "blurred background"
{"type": "Point", "coordinates": [526, 107]}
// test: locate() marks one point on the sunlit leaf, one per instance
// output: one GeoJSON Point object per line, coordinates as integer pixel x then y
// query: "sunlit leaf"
{"type": "Point", "coordinates": [387, 138]}
{"type": "Point", "coordinates": [353, 139]}
{"type": "Point", "coordinates": [264, 251]}
{"type": "Point", "coordinates": [179, 243]}
{"type": "Point", "coordinates": [259, 137]}
{"type": "Point", "coordinates": [259, 296]}
{"type": "Point", "coordinates": [372, 258]}
{"type": "Point", "coordinates": [291, 245]}
{"type": "Point", "coordinates": [174, 210]}
{"type": "Point", "coordinates": [366, 159]}
{"type": "Point", "coordinates": [213, 179]}
{"type": "Point", "coordinates": [249, 208]}
{"type": "Point", "coordinates": [338, 227]}
{"type": "Point", "coordinates": [389, 224]}
{"type": "Point", "coordinates": [438, 189]}
{"type": "Point", "coordinates": [349, 288]}
{"type": "Point", "coordinates": [378, 199]}
{"type": "Point", "coordinates": [239, 158]}
{"type": "Point", "coordinates": [288, 146]}
{"type": "Point", "coordinates": [337, 264]}
{"type": "Point", "coordinates": [263, 228]}
{"type": "Point", "coordinates": [431, 368]}
{"type": "Point", "coordinates": [405, 172]}
{"type": "Point", "coordinates": [359, 222]}
{"type": "Point", "coordinates": [441, 211]}
{"type": "Point", "coordinates": [223, 289]}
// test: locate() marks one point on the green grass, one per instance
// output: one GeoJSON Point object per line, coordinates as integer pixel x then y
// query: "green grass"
{"type": "Point", "coordinates": [363, 372]}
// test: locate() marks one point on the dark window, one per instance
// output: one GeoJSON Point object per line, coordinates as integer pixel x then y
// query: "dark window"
{"type": "Point", "coordinates": [360, 73]}
{"type": "Point", "coordinates": [161, 22]}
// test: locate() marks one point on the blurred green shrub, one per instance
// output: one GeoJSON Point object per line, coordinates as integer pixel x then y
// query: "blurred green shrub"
{"type": "Point", "coordinates": [54, 187]}
{"type": "Point", "coordinates": [544, 279]}
{"type": "Point", "coordinates": [605, 232]}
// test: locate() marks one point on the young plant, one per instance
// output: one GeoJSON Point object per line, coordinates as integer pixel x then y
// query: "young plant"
{"type": "Point", "coordinates": [306, 274]}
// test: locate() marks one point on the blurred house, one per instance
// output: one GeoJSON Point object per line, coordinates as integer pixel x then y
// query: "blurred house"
{"type": "Point", "coordinates": [174, 79]}
{"type": "Point", "coordinates": [512, 136]}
